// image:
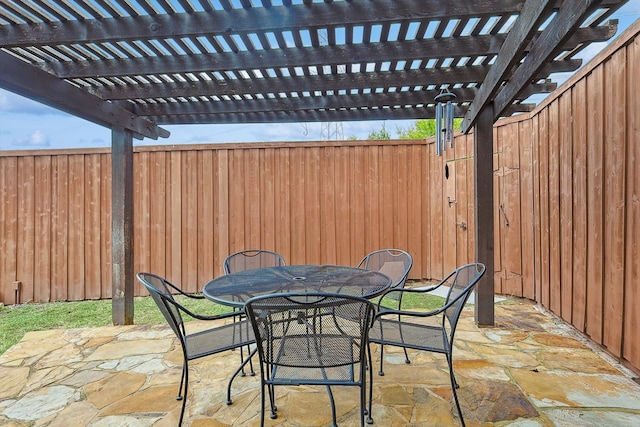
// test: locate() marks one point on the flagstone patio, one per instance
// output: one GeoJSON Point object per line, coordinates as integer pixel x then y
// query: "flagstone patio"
{"type": "Point", "coordinates": [529, 370]}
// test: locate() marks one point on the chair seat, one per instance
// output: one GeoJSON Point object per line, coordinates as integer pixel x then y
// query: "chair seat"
{"type": "Point", "coordinates": [307, 360]}
{"type": "Point", "coordinates": [412, 334]}
{"type": "Point", "coordinates": [221, 338]}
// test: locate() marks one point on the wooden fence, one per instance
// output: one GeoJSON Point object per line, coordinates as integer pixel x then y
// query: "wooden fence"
{"type": "Point", "coordinates": [568, 201]}
{"type": "Point", "coordinates": [312, 202]}
{"type": "Point", "coordinates": [567, 207]}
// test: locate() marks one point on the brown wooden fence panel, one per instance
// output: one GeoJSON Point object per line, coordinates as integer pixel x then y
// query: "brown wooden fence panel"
{"type": "Point", "coordinates": [579, 237]}
{"type": "Point", "coordinates": [631, 332]}
{"type": "Point", "coordinates": [614, 200]}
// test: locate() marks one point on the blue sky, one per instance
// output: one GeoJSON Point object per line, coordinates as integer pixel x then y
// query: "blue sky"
{"type": "Point", "coordinates": [25, 124]}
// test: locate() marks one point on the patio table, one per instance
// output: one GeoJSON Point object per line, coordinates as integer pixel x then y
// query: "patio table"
{"type": "Point", "coordinates": [235, 289]}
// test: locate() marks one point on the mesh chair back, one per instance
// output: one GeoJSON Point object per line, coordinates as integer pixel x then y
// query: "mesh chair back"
{"type": "Point", "coordinates": [251, 260]}
{"type": "Point", "coordinates": [312, 330]}
{"type": "Point", "coordinates": [394, 263]}
{"type": "Point", "coordinates": [161, 294]}
{"type": "Point", "coordinates": [464, 280]}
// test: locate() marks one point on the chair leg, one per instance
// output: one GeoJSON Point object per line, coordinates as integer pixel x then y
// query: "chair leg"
{"type": "Point", "coordinates": [235, 374]}
{"type": "Point", "coordinates": [272, 401]}
{"type": "Point", "coordinates": [381, 372]}
{"type": "Point", "coordinates": [243, 364]}
{"type": "Point", "coordinates": [185, 376]}
{"type": "Point", "coordinates": [185, 367]}
{"type": "Point", "coordinates": [333, 407]}
{"type": "Point", "coordinates": [368, 411]}
{"type": "Point", "coordinates": [454, 386]}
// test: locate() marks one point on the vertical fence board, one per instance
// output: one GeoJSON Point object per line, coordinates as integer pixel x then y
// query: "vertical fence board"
{"type": "Point", "coordinates": [298, 217]}
{"type": "Point", "coordinates": [25, 243]}
{"type": "Point", "coordinates": [342, 207]}
{"type": "Point", "coordinates": [267, 199]}
{"type": "Point", "coordinates": [498, 214]}
{"type": "Point", "coordinates": [464, 198]}
{"type": "Point", "coordinates": [566, 206]}
{"type": "Point", "coordinates": [327, 201]}
{"type": "Point", "coordinates": [311, 196]}
{"type": "Point", "coordinates": [436, 169]}
{"type": "Point", "coordinates": [221, 194]}
{"type": "Point", "coordinates": [93, 244]}
{"type": "Point", "coordinates": [8, 227]}
{"type": "Point", "coordinates": [595, 203]}
{"type": "Point", "coordinates": [543, 143]}
{"type": "Point", "coordinates": [141, 215]}
{"type": "Point", "coordinates": [579, 271]}
{"type": "Point", "coordinates": [388, 180]}
{"type": "Point", "coordinates": [105, 227]}
{"type": "Point", "coordinates": [414, 206]}
{"type": "Point", "coordinates": [283, 204]}
{"type": "Point", "coordinates": [237, 216]}
{"type": "Point", "coordinates": [512, 248]}
{"type": "Point", "coordinates": [42, 247]}
{"type": "Point", "coordinates": [189, 190]}
{"type": "Point", "coordinates": [614, 196]}
{"type": "Point", "coordinates": [448, 203]}
{"type": "Point", "coordinates": [59, 224]}
{"type": "Point", "coordinates": [631, 331]}
{"type": "Point", "coordinates": [427, 209]}
{"type": "Point", "coordinates": [527, 221]}
{"type": "Point", "coordinates": [536, 200]}
{"type": "Point", "coordinates": [76, 226]}
{"type": "Point", "coordinates": [174, 218]}
{"type": "Point", "coordinates": [252, 199]}
{"type": "Point", "coordinates": [157, 185]}
{"type": "Point", "coordinates": [206, 211]}
{"type": "Point", "coordinates": [554, 210]}
{"type": "Point", "coordinates": [468, 141]}
{"type": "Point", "coordinates": [400, 208]}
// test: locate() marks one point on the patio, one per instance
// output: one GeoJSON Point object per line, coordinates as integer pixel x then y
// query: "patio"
{"type": "Point", "coordinates": [531, 369]}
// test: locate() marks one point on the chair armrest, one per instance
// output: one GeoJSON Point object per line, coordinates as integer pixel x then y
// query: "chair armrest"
{"type": "Point", "coordinates": [203, 316]}
{"type": "Point", "coordinates": [386, 312]}
{"type": "Point", "coordinates": [183, 293]}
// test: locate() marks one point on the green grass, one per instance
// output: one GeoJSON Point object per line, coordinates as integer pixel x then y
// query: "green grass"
{"type": "Point", "coordinates": [15, 321]}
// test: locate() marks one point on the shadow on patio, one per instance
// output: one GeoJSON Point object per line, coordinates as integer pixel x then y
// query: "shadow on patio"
{"type": "Point", "coordinates": [529, 370]}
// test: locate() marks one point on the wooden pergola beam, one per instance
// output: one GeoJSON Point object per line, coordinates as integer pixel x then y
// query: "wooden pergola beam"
{"type": "Point", "coordinates": [570, 15]}
{"type": "Point", "coordinates": [511, 52]}
{"type": "Point", "coordinates": [22, 78]}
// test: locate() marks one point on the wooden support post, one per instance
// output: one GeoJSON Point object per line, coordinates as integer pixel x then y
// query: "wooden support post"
{"type": "Point", "coordinates": [484, 238]}
{"type": "Point", "coordinates": [122, 226]}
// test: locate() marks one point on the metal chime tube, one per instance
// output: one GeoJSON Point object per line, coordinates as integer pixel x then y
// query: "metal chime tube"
{"type": "Point", "coordinates": [449, 123]}
{"type": "Point", "coordinates": [444, 121]}
{"type": "Point", "coordinates": [439, 129]}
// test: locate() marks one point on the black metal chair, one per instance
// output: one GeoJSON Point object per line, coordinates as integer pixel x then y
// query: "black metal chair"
{"type": "Point", "coordinates": [312, 339]}
{"type": "Point", "coordinates": [198, 344]}
{"type": "Point", "coordinates": [250, 259]}
{"type": "Point", "coordinates": [408, 329]}
{"type": "Point", "coordinates": [396, 264]}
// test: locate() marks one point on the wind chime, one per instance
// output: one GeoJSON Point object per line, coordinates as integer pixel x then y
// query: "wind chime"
{"type": "Point", "coordinates": [444, 121]}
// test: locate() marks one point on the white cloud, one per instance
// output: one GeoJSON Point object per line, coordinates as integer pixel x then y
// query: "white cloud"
{"type": "Point", "coordinates": [37, 139]}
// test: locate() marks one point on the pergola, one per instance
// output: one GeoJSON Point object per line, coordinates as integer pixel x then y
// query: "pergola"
{"type": "Point", "coordinates": [136, 65]}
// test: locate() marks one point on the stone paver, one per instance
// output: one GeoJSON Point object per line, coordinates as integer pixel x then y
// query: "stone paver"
{"type": "Point", "coordinates": [526, 372]}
